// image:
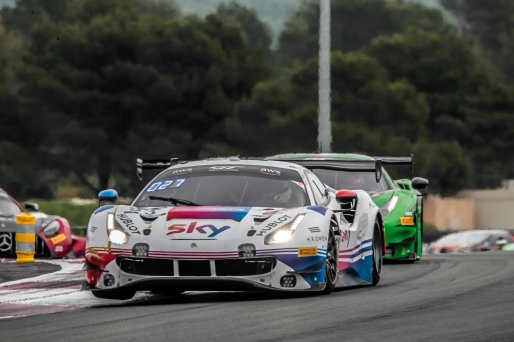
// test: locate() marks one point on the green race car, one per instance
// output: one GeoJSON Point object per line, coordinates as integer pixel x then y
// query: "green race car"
{"type": "Point", "coordinates": [400, 201]}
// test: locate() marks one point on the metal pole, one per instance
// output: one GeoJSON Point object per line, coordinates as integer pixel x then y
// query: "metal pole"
{"type": "Point", "coordinates": [324, 124]}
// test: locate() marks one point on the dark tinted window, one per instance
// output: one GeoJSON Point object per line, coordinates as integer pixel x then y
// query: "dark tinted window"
{"type": "Point", "coordinates": [253, 186]}
{"type": "Point", "coordinates": [352, 180]}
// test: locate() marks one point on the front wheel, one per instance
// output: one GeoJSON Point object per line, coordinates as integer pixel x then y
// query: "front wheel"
{"type": "Point", "coordinates": [331, 264]}
{"type": "Point", "coordinates": [377, 253]}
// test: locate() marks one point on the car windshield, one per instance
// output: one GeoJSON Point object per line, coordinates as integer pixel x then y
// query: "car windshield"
{"type": "Point", "coordinates": [7, 207]}
{"type": "Point", "coordinates": [226, 185]}
{"type": "Point", "coordinates": [352, 180]}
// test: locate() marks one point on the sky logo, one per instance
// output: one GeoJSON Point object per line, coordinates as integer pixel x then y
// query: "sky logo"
{"type": "Point", "coordinates": [193, 227]}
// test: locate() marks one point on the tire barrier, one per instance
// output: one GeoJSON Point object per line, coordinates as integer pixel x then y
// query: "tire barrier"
{"type": "Point", "coordinates": [25, 237]}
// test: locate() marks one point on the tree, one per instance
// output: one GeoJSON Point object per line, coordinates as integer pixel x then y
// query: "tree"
{"type": "Point", "coordinates": [354, 24]}
{"type": "Point", "coordinates": [490, 24]}
{"type": "Point", "coordinates": [115, 79]}
{"type": "Point", "coordinates": [469, 106]}
{"type": "Point", "coordinates": [257, 33]}
{"type": "Point", "coordinates": [368, 108]}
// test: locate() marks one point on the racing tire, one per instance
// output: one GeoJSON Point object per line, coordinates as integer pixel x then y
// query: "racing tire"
{"type": "Point", "coordinates": [114, 294]}
{"type": "Point", "coordinates": [377, 253]}
{"type": "Point", "coordinates": [331, 265]}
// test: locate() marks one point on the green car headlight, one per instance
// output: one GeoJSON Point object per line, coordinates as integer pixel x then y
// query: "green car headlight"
{"type": "Point", "coordinates": [388, 207]}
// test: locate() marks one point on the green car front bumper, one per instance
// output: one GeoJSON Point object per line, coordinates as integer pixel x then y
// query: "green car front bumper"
{"type": "Point", "coordinates": [401, 242]}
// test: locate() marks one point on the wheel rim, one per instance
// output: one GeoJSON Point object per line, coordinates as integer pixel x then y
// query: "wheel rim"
{"type": "Point", "coordinates": [331, 262]}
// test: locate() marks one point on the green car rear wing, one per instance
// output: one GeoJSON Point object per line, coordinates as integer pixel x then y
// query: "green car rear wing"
{"type": "Point", "coordinates": [338, 164]}
{"type": "Point", "coordinates": [407, 160]}
{"type": "Point", "coordinates": [371, 165]}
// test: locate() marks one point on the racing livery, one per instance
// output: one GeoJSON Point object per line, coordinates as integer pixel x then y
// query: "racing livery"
{"type": "Point", "coordinates": [53, 233]}
{"type": "Point", "coordinates": [400, 201]}
{"type": "Point", "coordinates": [231, 224]}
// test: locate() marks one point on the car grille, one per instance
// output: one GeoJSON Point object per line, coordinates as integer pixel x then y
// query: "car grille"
{"type": "Point", "coordinates": [197, 268]}
{"type": "Point", "coordinates": [244, 267]}
{"type": "Point", "coordinates": [144, 266]}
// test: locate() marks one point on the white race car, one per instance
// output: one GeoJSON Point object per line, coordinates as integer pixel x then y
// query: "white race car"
{"type": "Point", "coordinates": [231, 224]}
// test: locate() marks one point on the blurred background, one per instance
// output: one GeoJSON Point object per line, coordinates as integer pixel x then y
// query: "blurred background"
{"type": "Point", "coordinates": [86, 86]}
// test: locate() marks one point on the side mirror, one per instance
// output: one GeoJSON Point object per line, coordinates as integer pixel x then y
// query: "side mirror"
{"type": "Point", "coordinates": [348, 201]}
{"type": "Point", "coordinates": [31, 207]}
{"type": "Point", "coordinates": [108, 196]}
{"type": "Point", "coordinates": [420, 184]}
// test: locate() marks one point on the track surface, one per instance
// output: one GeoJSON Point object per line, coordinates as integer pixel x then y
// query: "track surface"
{"type": "Point", "coordinates": [441, 298]}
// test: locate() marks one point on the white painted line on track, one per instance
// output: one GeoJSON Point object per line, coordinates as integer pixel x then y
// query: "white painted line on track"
{"type": "Point", "coordinates": [52, 292]}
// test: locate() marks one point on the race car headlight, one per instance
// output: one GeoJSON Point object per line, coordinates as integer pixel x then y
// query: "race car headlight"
{"type": "Point", "coordinates": [388, 207]}
{"type": "Point", "coordinates": [284, 234]}
{"type": "Point", "coordinates": [116, 234]}
{"type": "Point", "coordinates": [52, 229]}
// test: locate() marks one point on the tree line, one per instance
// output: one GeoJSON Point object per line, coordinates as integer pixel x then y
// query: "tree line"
{"type": "Point", "coordinates": [86, 86]}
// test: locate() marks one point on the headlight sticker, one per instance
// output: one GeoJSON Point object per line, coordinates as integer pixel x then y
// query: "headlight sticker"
{"type": "Point", "coordinates": [127, 224]}
{"type": "Point", "coordinates": [273, 224]}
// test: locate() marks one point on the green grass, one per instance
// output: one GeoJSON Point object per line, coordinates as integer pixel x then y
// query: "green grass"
{"type": "Point", "coordinates": [77, 215]}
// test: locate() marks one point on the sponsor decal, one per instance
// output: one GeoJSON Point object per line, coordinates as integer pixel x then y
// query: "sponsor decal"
{"type": "Point", "coordinates": [210, 229]}
{"type": "Point", "coordinates": [407, 221]}
{"type": "Point", "coordinates": [181, 171]}
{"type": "Point", "coordinates": [408, 213]}
{"type": "Point", "coordinates": [317, 238]}
{"type": "Point", "coordinates": [93, 229]}
{"type": "Point", "coordinates": [270, 172]}
{"type": "Point", "coordinates": [128, 223]}
{"type": "Point", "coordinates": [307, 251]}
{"type": "Point", "coordinates": [194, 245]}
{"type": "Point", "coordinates": [5, 242]}
{"type": "Point", "coordinates": [314, 229]}
{"type": "Point", "coordinates": [224, 168]}
{"type": "Point", "coordinates": [58, 238]}
{"type": "Point", "coordinates": [208, 213]}
{"type": "Point", "coordinates": [167, 184]}
{"type": "Point", "coordinates": [273, 224]}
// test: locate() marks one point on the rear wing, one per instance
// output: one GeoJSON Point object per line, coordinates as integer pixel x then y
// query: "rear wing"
{"type": "Point", "coordinates": [338, 164]}
{"type": "Point", "coordinates": [372, 165]}
{"type": "Point", "coordinates": [406, 160]}
{"type": "Point", "coordinates": [153, 164]}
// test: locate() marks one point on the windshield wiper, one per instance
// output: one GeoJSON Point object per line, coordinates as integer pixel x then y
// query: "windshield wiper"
{"type": "Point", "coordinates": [174, 201]}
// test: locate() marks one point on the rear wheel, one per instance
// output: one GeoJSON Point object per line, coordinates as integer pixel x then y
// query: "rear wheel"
{"type": "Point", "coordinates": [377, 253]}
{"type": "Point", "coordinates": [331, 264]}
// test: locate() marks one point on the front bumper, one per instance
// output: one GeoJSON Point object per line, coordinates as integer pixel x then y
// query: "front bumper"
{"type": "Point", "coordinates": [400, 242]}
{"type": "Point", "coordinates": [230, 274]}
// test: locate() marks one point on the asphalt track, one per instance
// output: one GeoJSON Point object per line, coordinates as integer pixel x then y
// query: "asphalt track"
{"type": "Point", "coordinates": [16, 271]}
{"type": "Point", "coordinates": [441, 298]}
